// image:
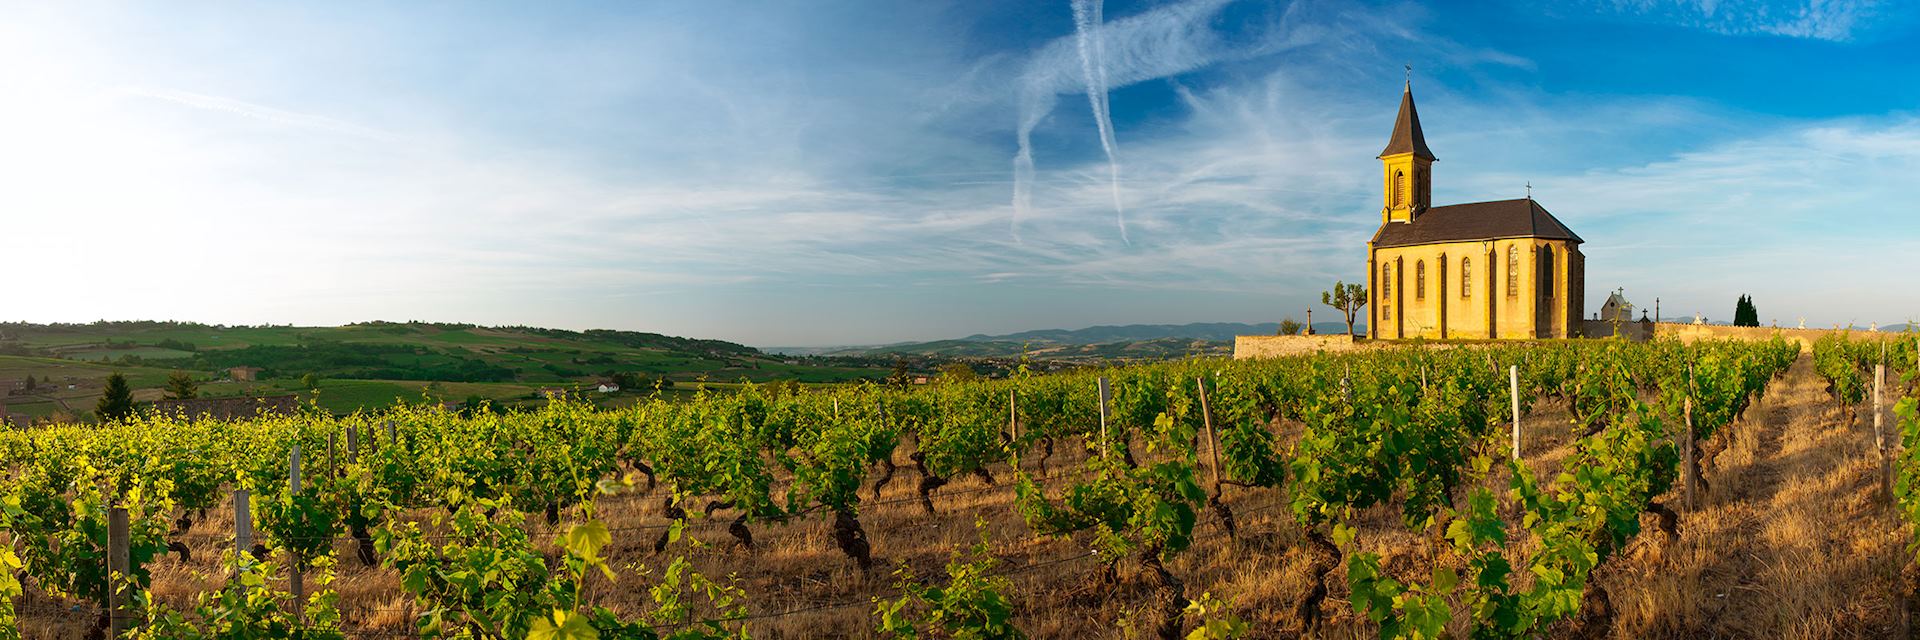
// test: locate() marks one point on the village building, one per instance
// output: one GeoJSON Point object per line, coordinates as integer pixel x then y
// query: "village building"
{"type": "Point", "coordinates": [10, 419]}
{"type": "Point", "coordinates": [1616, 308]}
{"type": "Point", "coordinates": [1505, 269]}
{"type": "Point", "coordinates": [244, 374]}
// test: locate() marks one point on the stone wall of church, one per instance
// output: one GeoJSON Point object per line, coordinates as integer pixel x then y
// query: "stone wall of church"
{"type": "Point", "coordinates": [1477, 290]}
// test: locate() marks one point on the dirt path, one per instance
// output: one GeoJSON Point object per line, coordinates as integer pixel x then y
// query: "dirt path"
{"type": "Point", "coordinates": [1794, 539]}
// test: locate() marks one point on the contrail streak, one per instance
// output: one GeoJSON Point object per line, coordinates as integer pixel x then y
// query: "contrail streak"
{"type": "Point", "coordinates": [1087, 22]}
{"type": "Point", "coordinates": [1161, 42]}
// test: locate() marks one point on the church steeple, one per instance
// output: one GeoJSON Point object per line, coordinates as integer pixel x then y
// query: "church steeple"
{"type": "Point", "coordinates": [1407, 137]}
{"type": "Point", "coordinates": [1406, 164]}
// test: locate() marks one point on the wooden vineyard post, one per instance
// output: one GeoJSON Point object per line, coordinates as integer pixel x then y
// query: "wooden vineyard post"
{"type": "Point", "coordinates": [1106, 394]}
{"type": "Point", "coordinates": [297, 582]}
{"type": "Point", "coordinates": [1213, 444]}
{"type": "Point", "coordinates": [1513, 389]}
{"type": "Point", "coordinates": [1013, 417]}
{"type": "Point", "coordinates": [119, 573]}
{"type": "Point", "coordinates": [242, 533]}
{"type": "Point", "coordinates": [353, 444]}
{"type": "Point", "coordinates": [1880, 437]}
{"type": "Point", "coordinates": [1686, 447]}
{"type": "Point", "coordinates": [392, 440]}
{"type": "Point", "coordinates": [1013, 429]}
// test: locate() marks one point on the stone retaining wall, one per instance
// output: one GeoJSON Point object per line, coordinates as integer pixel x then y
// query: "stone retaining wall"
{"type": "Point", "coordinates": [1276, 346]}
{"type": "Point", "coordinates": [1685, 332]}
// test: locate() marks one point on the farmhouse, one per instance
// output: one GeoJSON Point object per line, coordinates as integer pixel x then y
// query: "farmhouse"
{"type": "Point", "coordinates": [244, 374]}
{"type": "Point", "coordinates": [1505, 269]}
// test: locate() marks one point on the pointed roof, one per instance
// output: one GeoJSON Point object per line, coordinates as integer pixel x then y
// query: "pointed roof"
{"type": "Point", "coordinates": [1520, 218]}
{"type": "Point", "coordinates": [1406, 130]}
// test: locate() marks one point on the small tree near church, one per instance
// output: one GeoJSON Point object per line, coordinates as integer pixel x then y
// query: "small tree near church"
{"type": "Point", "coordinates": [1348, 298]}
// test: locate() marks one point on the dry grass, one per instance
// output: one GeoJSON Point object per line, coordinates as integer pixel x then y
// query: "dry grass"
{"type": "Point", "coordinates": [1794, 540]}
{"type": "Point", "coordinates": [1788, 543]}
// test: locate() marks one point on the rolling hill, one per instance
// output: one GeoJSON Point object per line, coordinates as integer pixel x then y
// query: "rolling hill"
{"type": "Point", "coordinates": [369, 364]}
{"type": "Point", "coordinates": [1099, 343]}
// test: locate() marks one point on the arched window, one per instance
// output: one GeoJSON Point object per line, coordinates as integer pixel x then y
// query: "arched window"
{"type": "Point", "coordinates": [1513, 271]}
{"type": "Point", "coordinates": [1420, 280]}
{"type": "Point", "coordinates": [1399, 188]}
{"type": "Point", "coordinates": [1386, 280]}
{"type": "Point", "coordinates": [1466, 277]}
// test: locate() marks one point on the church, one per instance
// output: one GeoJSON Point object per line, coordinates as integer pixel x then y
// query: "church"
{"type": "Point", "coordinates": [1504, 269]}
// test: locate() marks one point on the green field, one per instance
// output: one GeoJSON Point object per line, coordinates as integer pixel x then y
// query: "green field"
{"type": "Point", "coordinates": [377, 364]}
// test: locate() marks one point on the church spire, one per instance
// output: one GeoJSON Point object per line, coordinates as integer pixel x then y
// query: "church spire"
{"type": "Point", "coordinates": [1406, 130]}
{"type": "Point", "coordinates": [1406, 164]}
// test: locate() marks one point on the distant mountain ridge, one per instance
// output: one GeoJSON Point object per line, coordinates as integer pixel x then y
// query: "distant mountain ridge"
{"type": "Point", "coordinates": [1212, 331]}
{"type": "Point", "coordinates": [1103, 334]}
{"type": "Point", "coordinates": [1097, 343]}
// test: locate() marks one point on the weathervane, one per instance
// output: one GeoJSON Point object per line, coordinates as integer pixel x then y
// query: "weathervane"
{"type": "Point", "coordinates": [1409, 75]}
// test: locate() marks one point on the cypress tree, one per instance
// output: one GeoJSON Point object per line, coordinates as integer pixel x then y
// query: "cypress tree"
{"type": "Point", "coordinates": [1744, 313]}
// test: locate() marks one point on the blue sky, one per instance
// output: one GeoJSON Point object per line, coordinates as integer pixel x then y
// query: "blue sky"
{"type": "Point", "coordinates": [854, 172]}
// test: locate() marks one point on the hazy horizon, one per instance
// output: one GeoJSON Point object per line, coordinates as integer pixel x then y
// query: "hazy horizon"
{"type": "Point", "coordinates": [869, 173]}
{"type": "Point", "coordinates": [1360, 326]}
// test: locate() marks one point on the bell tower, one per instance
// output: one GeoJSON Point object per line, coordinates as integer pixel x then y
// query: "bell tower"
{"type": "Point", "coordinates": [1406, 165]}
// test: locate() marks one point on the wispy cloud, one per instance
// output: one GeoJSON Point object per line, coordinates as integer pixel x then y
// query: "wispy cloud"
{"type": "Point", "coordinates": [258, 112]}
{"type": "Point", "coordinates": [1159, 43]}
{"type": "Point", "coordinates": [1797, 217]}
{"type": "Point", "coordinates": [1837, 20]}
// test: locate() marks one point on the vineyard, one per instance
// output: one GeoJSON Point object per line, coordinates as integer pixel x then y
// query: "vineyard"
{"type": "Point", "coordinates": [1491, 492]}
